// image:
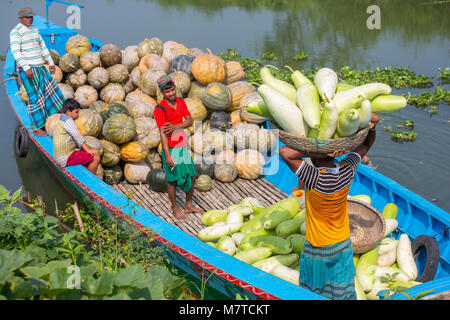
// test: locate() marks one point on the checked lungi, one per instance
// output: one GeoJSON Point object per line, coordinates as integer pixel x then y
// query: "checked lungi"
{"type": "Point", "coordinates": [329, 270]}
{"type": "Point", "coordinates": [44, 96]}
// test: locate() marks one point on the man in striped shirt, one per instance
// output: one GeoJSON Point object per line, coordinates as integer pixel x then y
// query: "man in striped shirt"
{"type": "Point", "coordinates": [326, 262]}
{"type": "Point", "coordinates": [67, 140]}
{"type": "Point", "coordinates": [30, 53]}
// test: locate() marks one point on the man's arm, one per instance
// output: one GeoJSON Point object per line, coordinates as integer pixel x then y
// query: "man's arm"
{"type": "Point", "coordinates": [45, 53]}
{"type": "Point", "coordinates": [15, 40]}
{"type": "Point", "coordinates": [364, 147]}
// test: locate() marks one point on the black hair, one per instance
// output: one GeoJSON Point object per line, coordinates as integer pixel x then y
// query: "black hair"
{"type": "Point", "coordinates": [70, 105]}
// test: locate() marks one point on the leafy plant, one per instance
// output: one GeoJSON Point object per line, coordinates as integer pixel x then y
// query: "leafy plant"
{"type": "Point", "coordinates": [37, 259]}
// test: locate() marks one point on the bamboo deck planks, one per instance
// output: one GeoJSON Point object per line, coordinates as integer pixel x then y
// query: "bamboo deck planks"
{"type": "Point", "coordinates": [220, 196]}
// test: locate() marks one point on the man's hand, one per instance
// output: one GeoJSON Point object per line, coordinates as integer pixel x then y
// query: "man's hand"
{"type": "Point", "coordinates": [29, 74]}
{"type": "Point", "coordinates": [52, 69]}
{"type": "Point", "coordinates": [168, 127]}
{"type": "Point", "coordinates": [92, 152]}
{"type": "Point", "coordinates": [337, 153]}
{"type": "Point", "coordinates": [169, 161]}
{"type": "Point", "coordinates": [373, 120]}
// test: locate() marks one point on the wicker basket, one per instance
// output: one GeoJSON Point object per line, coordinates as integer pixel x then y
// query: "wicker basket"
{"type": "Point", "coordinates": [367, 225]}
{"type": "Point", "coordinates": [324, 146]}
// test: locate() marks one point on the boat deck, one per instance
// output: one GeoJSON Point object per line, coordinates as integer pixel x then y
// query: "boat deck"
{"type": "Point", "coordinates": [219, 197]}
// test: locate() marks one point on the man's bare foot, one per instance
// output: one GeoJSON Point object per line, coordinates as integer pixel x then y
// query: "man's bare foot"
{"type": "Point", "coordinates": [192, 209]}
{"type": "Point", "coordinates": [178, 213]}
{"type": "Point", "coordinates": [39, 132]}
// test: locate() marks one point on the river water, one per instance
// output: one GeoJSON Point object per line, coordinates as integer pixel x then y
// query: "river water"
{"type": "Point", "coordinates": [333, 33]}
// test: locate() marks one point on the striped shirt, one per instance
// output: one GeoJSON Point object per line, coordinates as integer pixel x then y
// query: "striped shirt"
{"type": "Point", "coordinates": [329, 180]}
{"type": "Point", "coordinates": [66, 139]}
{"type": "Point", "coordinates": [28, 48]}
{"type": "Point", "coordinates": [326, 191]}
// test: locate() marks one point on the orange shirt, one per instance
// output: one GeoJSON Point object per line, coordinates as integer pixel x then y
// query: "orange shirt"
{"type": "Point", "coordinates": [326, 191]}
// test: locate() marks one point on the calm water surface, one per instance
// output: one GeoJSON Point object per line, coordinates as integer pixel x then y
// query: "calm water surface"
{"type": "Point", "coordinates": [332, 32]}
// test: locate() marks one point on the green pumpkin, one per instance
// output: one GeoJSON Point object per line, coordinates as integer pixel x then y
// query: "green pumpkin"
{"type": "Point", "coordinates": [119, 128]}
{"type": "Point", "coordinates": [111, 154]}
{"type": "Point", "coordinates": [220, 120]}
{"type": "Point", "coordinates": [156, 179]}
{"type": "Point", "coordinates": [217, 96]}
{"type": "Point", "coordinates": [204, 183]}
{"type": "Point", "coordinates": [148, 46]}
{"type": "Point", "coordinates": [112, 175]}
{"type": "Point", "coordinates": [204, 167]}
{"type": "Point", "coordinates": [113, 108]}
{"type": "Point", "coordinates": [69, 62]}
{"type": "Point", "coordinates": [97, 106]}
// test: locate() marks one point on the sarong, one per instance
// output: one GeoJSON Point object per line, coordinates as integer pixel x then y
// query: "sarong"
{"type": "Point", "coordinates": [44, 96]}
{"type": "Point", "coordinates": [329, 270]}
{"type": "Point", "coordinates": [79, 157]}
{"type": "Point", "coordinates": [184, 168]}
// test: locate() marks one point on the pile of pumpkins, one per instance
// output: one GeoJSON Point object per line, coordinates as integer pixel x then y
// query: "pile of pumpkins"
{"type": "Point", "coordinates": [117, 90]}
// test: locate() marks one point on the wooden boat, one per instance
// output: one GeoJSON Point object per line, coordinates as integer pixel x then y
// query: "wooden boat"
{"type": "Point", "coordinates": [221, 272]}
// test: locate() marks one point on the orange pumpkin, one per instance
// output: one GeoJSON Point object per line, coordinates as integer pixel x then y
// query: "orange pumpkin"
{"type": "Point", "coordinates": [133, 151]}
{"type": "Point", "coordinates": [207, 68]}
{"type": "Point", "coordinates": [154, 61]}
{"type": "Point", "coordinates": [249, 164]}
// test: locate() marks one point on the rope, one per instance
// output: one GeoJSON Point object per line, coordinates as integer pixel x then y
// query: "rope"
{"type": "Point", "coordinates": [7, 80]}
{"type": "Point", "coordinates": [446, 228]}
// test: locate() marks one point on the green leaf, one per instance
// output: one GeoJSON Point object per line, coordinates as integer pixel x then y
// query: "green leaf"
{"type": "Point", "coordinates": [16, 195]}
{"type": "Point", "coordinates": [101, 286]}
{"type": "Point", "coordinates": [10, 261]}
{"type": "Point", "coordinates": [35, 271]}
{"type": "Point", "coordinates": [58, 278]}
{"type": "Point", "coordinates": [133, 276]}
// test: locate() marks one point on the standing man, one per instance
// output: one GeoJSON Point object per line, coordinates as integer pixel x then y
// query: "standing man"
{"type": "Point", "coordinates": [326, 262]}
{"type": "Point", "coordinates": [30, 52]}
{"type": "Point", "coordinates": [177, 161]}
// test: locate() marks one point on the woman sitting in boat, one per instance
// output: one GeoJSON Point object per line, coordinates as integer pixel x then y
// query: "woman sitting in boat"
{"type": "Point", "coordinates": [177, 161]}
{"type": "Point", "coordinates": [67, 140]}
{"type": "Point", "coordinates": [326, 262]}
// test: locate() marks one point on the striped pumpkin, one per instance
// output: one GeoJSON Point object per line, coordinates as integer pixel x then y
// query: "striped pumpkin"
{"type": "Point", "coordinates": [89, 123]}
{"type": "Point", "coordinates": [217, 96]}
{"type": "Point", "coordinates": [183, 63]}
{"type": "Point", "coordinates": [119, 128]}
{"type": "Point", "coordinates": [111, 153]}
{"type": "Point", "coordinates": [238, 90]}
{"type": "Point", "coordinates": [98, 77]}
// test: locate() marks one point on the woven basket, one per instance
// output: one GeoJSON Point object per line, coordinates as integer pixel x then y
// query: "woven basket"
{"type": "Point", "coordinates": [367, 225]}
{"type": "Point", "coordinates": [324, 146]}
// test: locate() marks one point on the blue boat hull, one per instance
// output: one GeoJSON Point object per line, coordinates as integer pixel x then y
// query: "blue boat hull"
{"type": "Point", "coordinates": [225, 274]}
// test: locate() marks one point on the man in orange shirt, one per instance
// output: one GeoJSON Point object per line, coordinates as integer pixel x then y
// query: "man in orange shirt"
{"type": "Point", "coordinates": [177, 161]}
{"type": "Point", "coordinates": [326, 262]}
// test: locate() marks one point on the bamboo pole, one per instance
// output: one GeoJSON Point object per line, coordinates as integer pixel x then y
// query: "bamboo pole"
{"type": "Point", "coordinates": [77, 214]}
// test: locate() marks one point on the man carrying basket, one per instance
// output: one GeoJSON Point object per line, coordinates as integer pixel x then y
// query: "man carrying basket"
{"type": "Point", "coordinates": [326, 262]}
